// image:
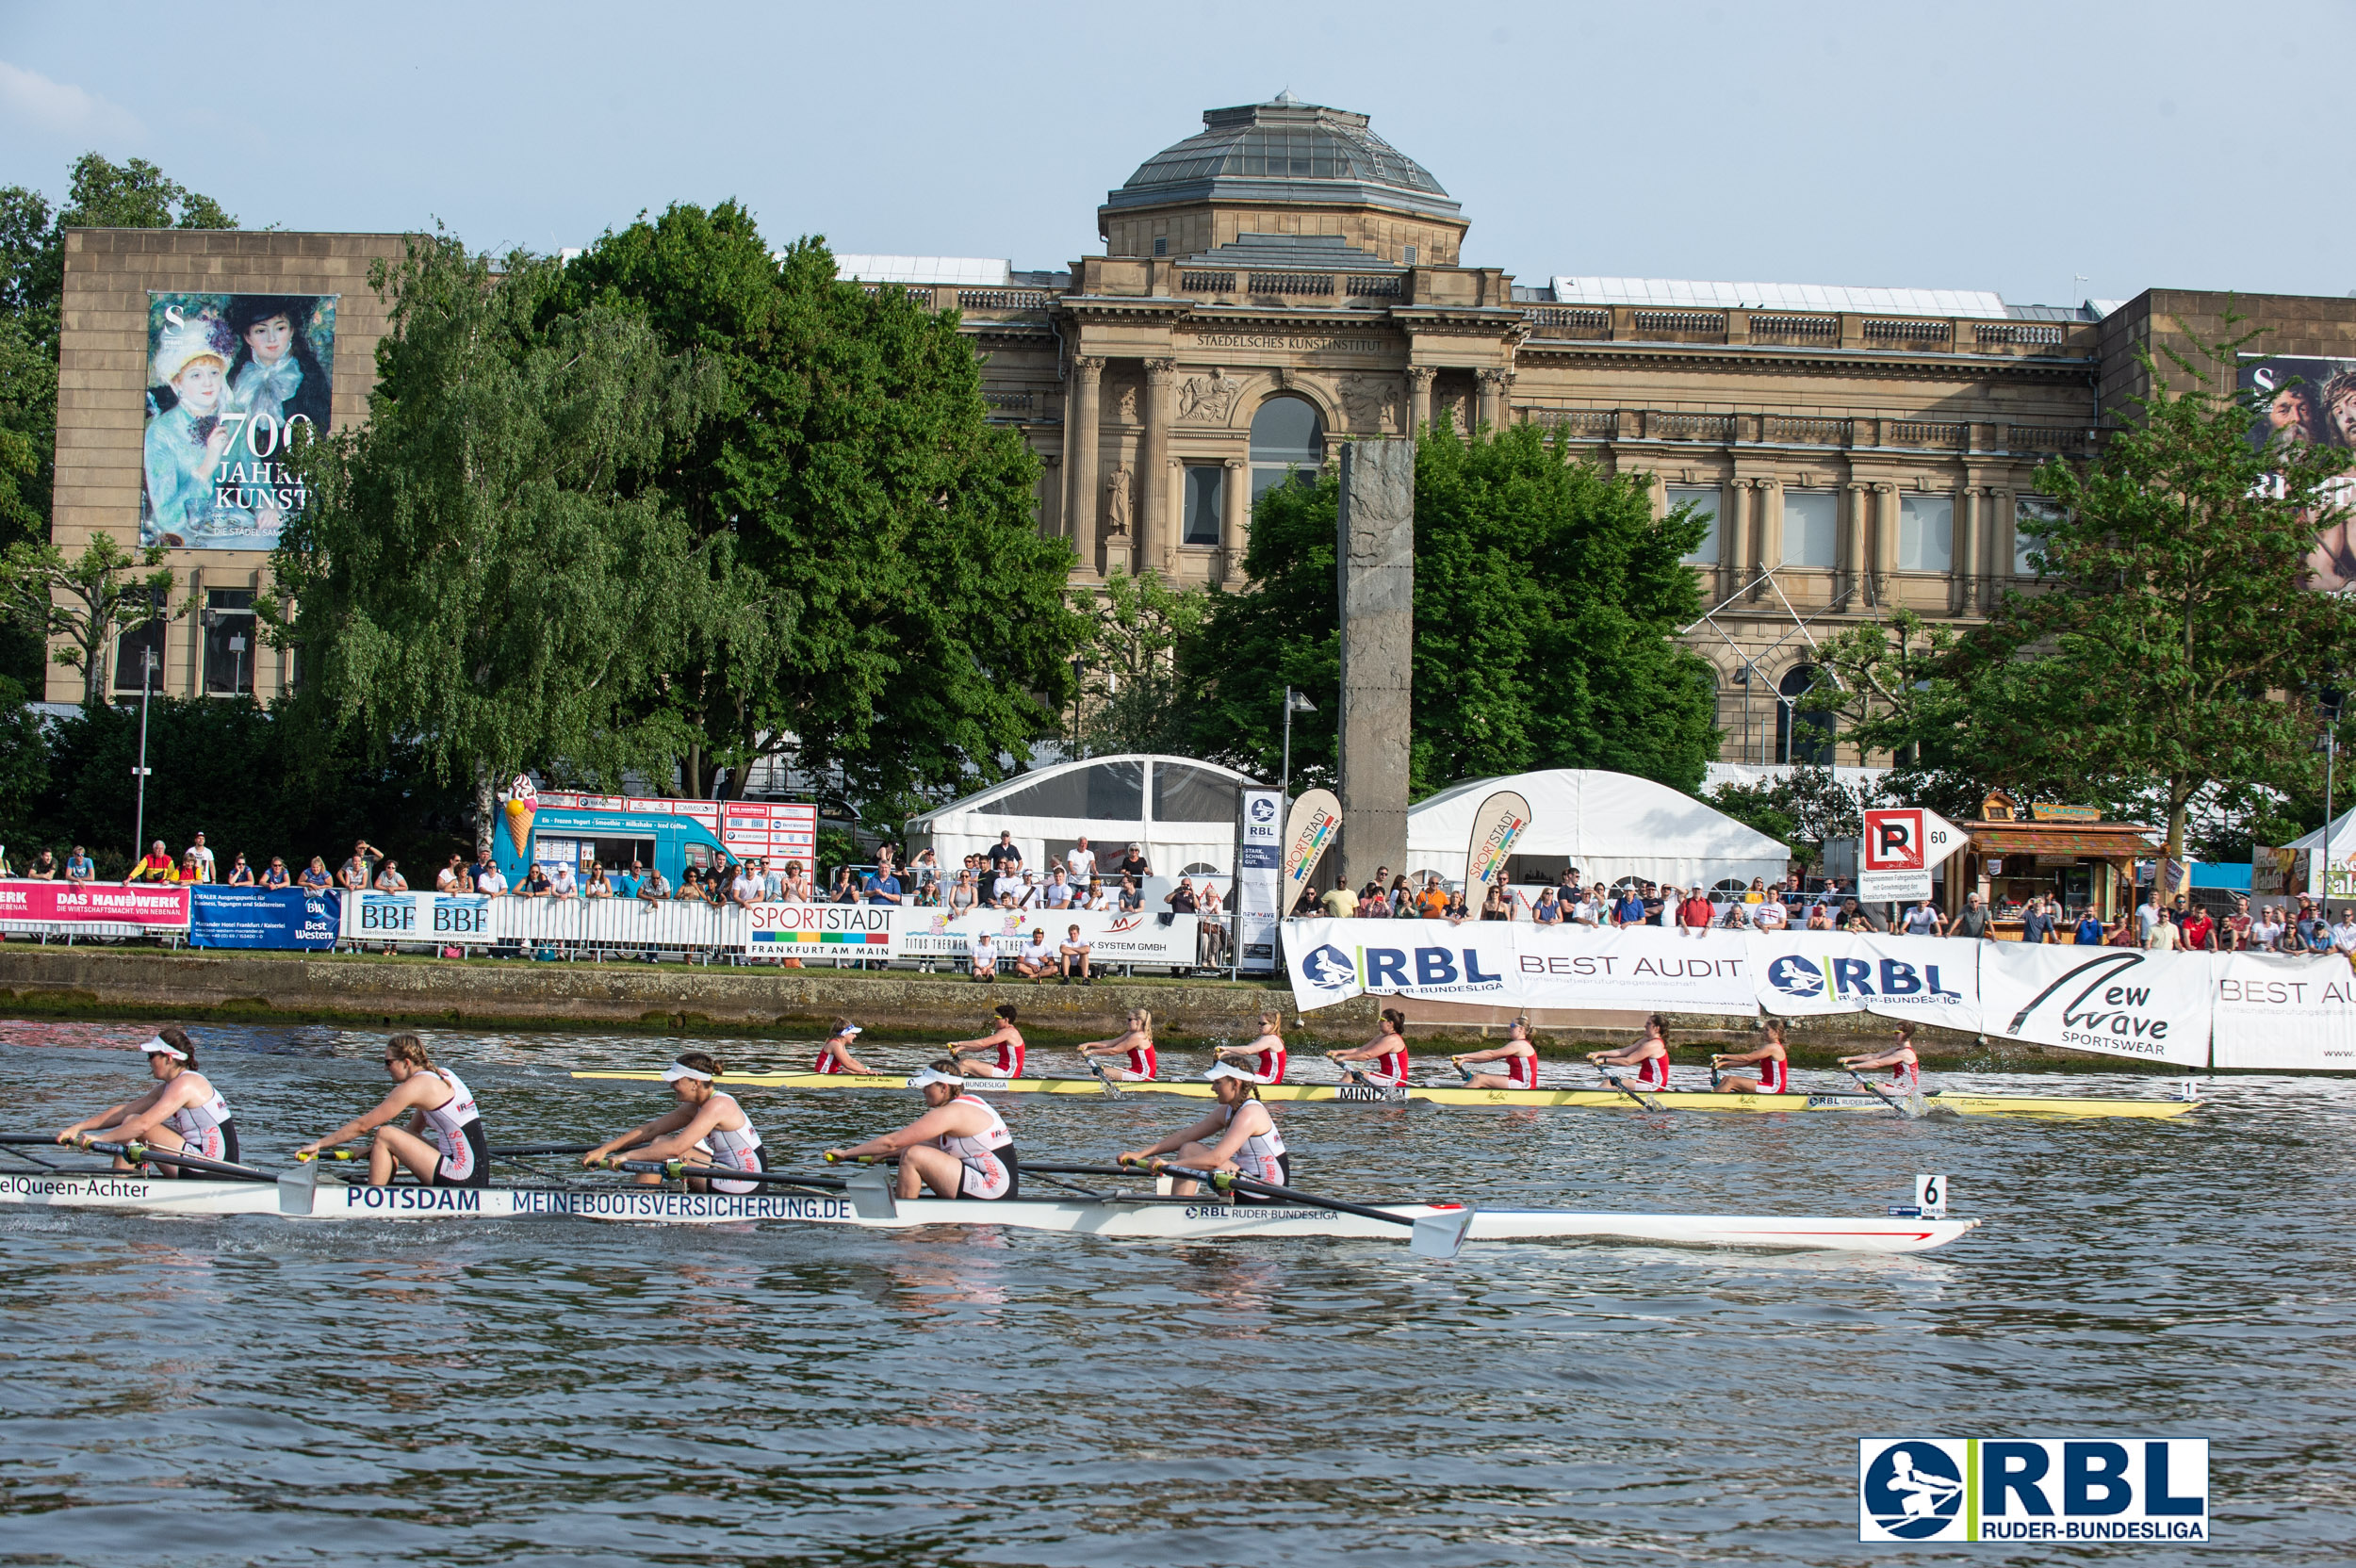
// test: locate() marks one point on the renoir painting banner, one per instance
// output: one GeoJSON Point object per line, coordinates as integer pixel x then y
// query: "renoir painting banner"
{"type": "Point", "coordinates": [231, 380]}
{"type": "Point", "coordinates": [1501, 820]}
{"type": "Point", "coordinates": [2121, 1000]}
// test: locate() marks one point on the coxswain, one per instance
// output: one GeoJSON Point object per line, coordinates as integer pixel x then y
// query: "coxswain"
{"type": "Point", "coordinates": [182, 1111]}
{"type": "Point", "coordinates": [960, 1147]}
{"type": "Point", "coordinates": [705, 1125]}
{"type": "Point", "coordinates": [997, 1054]}
{"type": "Point", "coordinates": [1519, 1056]}
{"type": "Point", "coordinates": [1239, 1136]}
{"type": "Point", "coordinates": [1387, 1054]}
{"type": "Point", "coordinates": [1263, 1059]}
{"type": "Point", "coordinates": [443, 1145]}
{"type": "Point", "coordinates": [1773, 1061]}
{"type": "Point", "coordinates": [834, 1051]}
{"type": "Point", "coordinates": [1905, 1068]}
{"type": "Point", "coordinates": [1649, 1056]}
{"type": "Point", "coordinates": [1135, 1045]}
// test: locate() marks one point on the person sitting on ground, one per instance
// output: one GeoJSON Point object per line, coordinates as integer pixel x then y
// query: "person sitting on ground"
{"type": "Point", "coordinates": [1772, 1061]}
{"type": "Point", "coordinates": [79, 867]}
{"type": "Point", "coordinates": [388, 879]}
{"type": "Point", "coordinates": [1034, 959]}
{"type": "Point", "coordinates": [316, 878]}
{"type": "Point", "coordinates": [157, 865]}
{"type": "Point", "coordinates": [241, 873]}
{"type": "Point", "coordinates": [1071, 957]}
{"type": "Point", "coordinates": [1520, 1054]}
{"type": "Point", "coordinates": [834, 1051]}
{"type": "Point", "coordinates": [983, 961]}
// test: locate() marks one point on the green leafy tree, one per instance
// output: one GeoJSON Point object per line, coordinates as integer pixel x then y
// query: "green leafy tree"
{"type": "Point", "coordinates": [1131, 698]}
{"type": "Point", "coordinates": [1547, 604]}
{"type": "Point", "coordinates": [887, 609]}
{"type": "Point", "coordinates": [1802, 808]}
{"type": "Point", "coordinates": [86, 600]}
{"type": "Point", "coordinates": [2174, 646]}
{"type": "Point", "coordinates": [486, 566]}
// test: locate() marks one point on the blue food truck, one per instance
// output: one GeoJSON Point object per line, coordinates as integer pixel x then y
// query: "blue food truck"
{"type": "Point", "coordinates": [616, 831]}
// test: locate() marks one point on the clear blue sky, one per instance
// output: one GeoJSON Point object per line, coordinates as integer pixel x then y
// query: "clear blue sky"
{"type": "Point", "coordinates": [2005, 146]}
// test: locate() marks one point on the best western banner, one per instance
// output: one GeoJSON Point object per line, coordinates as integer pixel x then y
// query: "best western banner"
{"type": "Point", "coordinates": [92, 905]}
{"type": "Point", "coordinates": [1512, 964]}
{"type": "Point", "coordinates": [2115, 1000]}
{"type": "Point", "coordinates": [288, 918]}
{"type": "Point", "coordinates": [2285, 1013]}
{"type": "Point", "coordinates": [1810, 974]}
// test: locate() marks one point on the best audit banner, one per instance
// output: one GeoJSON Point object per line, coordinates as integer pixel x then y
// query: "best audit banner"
{"type": "Point", "coordinates": [1510, 964]}
{"type": "Point", "coordinates": [2285, 1013]}
{"type": "Point", "coordinates": [1811, 974]}
{"type": "Point", "coordinates": [2119, 1001]}
{"type": "Point", "coordinates": [286, 919]}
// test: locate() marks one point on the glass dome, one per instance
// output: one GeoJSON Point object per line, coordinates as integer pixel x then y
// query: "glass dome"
{"type": "Point", "coordinates": [1281, 151]}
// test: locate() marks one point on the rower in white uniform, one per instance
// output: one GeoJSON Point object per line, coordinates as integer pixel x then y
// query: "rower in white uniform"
{"type": "Point", "coordinates": [1239, 1136]}
{"type": "Point", "coordinates": [182, 1111]}
{"type": "Point", "coordinates": [1772, 1061]}
{"type": "Point", "coordinates": [443, 1145]}
{"type": "Point", "coordinates": [1649, 1056]}
{"type": "Point", "coordinates": [960, 1147]}
{"type": "Point", "coordinates": [834, 1051]}
{"type": "Point", "coordinates": [998, 1054]}
{"type": "Point", "coordinates": [705, 1126]}
{"type": "Point", "coordinates": [1263, 1059]}
{"type": "Point", "coordinates": [1905, 1068]}
{"type": "Point", "coordinates": [1519, 1056]}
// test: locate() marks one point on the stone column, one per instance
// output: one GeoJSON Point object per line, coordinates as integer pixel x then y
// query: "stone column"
{"type": "Point", "coordinates": [1419, 401]}
{"type": "Point", "coordinates": [1080, 442]}
{"type": "Point", "coordinates": [1376, 556]}
{"type": "Point", "coordinates": [1493, 384]}
{"type": "Point", "coordinates": [1155, 548]}
{"type": "Point", "coordinates": [1729, 563]}
{"type": "Point", "coordinates": [1234, 522]}
{"type": "Point", "coordinates": [1855, 501]}
{"type": "Point", "coordinates": [1745, 508]}
{"type": "Point", "coordinates": [1769, 507]}
{"type": "Point", "coordinates": [1885, 539]}
{"type": "Point", "coordinates": [1052, 520]}
{"type": "Point", "coordinates": [2003, 543]}
{"type": "Point", "coordinates": [1968, 529]}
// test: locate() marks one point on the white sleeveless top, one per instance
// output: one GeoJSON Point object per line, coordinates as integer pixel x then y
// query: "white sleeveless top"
{"type": "Point", "coordinates": [1260, 1152]}
{"type": "Point", "coordinates": [734, 1147]}
{"type": "Point", "coordinates": [193, 1121]}
{"type": "Point", "coordinates": [449, 1121]}
{"type": "Point", "coordinates": [969, 1149]}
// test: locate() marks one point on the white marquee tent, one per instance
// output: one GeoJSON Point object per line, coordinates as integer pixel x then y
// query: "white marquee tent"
{"type": "Point", "coordinates": [1610, 825]}
{"type": "Point", "coordinates": [1182, 811]}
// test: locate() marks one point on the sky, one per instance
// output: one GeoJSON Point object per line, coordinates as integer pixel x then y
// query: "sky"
{"type": "Point", "coordinates": [2051, 152]}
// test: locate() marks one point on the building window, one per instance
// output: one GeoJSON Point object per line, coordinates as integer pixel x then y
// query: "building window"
{"type": "Point", "coordinates": [1206, 496]}
{"type": "Point", "coordinates": [1161, 246]}
{"type": "Point", "coordinates": [1803, 733]}
{"type": "Point", "coordinates": [139, 639]}
{"type": "Point", "coordinates": [2032, 516]}
{"type": "Point", "coordinates": [1288, 440]}
{"type": "Point", "coordinates": [1411, 255]}
{"type": "Point", "coordinates": [1926, 534]}
{"type": "Point", "coordinates": [1703, 499]}
{"type": "Point", "coordinates": [229, 641]}
{"type": "Point", "coordinates": [1811, 527]}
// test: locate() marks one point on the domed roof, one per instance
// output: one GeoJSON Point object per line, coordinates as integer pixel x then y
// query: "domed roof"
{"type": "Point", "coordinates": [1285, 151]}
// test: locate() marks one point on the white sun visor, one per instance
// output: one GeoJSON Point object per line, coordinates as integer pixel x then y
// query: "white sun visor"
{"type": "Point", "coordinates": [931, 1075]}
{"type": "Point", "coordinates": [677, 1071]}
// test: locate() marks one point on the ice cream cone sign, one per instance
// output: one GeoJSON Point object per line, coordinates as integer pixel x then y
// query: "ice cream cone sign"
{"type": "Point", "coordinates": [522, 802]}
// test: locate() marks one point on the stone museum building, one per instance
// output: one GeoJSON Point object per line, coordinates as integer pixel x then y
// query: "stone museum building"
{"type": "Point", "coordinates": [1285, 280]}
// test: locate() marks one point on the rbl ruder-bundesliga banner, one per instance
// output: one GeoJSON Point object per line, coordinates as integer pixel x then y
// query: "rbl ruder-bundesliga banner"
{"type": "Point", "coordinates": [1811, 974]}
{"type": "Point", "coordinates": [1512, 964]}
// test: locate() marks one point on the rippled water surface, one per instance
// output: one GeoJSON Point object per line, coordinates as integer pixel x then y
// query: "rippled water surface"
{"type": "Point", "coordinates": [255, 1390]}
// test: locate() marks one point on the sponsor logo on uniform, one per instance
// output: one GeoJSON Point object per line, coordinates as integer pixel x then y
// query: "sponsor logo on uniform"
{"type": "Point", "coordinates": [2048, 1489]}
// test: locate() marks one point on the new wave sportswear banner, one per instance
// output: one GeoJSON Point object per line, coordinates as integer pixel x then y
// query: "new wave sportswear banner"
{"type": "Point", "coordinates": [1812, 973]}
{"type": "Point", "coordinates": [2119, 1001]}
{"type": "Point", "coordinates": [1506, 963]}
{"type": "Point", "coordinates": [2285, 1013]}
{"type": "Point", "coordinates": [286, 919]}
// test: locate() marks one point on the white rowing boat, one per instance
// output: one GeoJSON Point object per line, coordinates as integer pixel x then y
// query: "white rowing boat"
{"type": "Point", "coordinates": [1138, 1215]}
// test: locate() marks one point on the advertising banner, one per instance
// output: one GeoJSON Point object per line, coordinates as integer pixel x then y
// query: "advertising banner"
{"type": "Point", "coordinates": [2281, 872]}
{"type": "Point", "coordinates": [230, 378]}
{"type": "Point", "coordinates": [141, 906]}
{"type": "Point", "coordinates": [1810, 974]}
{"type": "Point", "coordinates": [444, 919]}
{"type": "Point", "coordinates": [625, 923]}
{"type": "Point", "coordinates": [826, 930]}
{"type": "Point", "coordinates": [1163, 942]}
{"type": "Point", "coordinates": [2119, 1000]}
{"type": "Point", "coordinates": [2285, 1013]}
{"type": "Point", "coordinates": [1259, 851]}
{"type": "Point", "coordinates": [1511, 964]}
{"type": "Point", "coordinates": [1501, 820]}
{"type": "Point", "coordinates": [2312, 401]}
{"type": "Point", "coordinates": [1900, 847]}
{"type": "Point", "coordinates": [1316, 816]}
{"type": "Point", "coordinates": [286, 919]}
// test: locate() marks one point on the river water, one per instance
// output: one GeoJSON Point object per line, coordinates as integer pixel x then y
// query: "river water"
{"type": "Point", "coordinates": [257, 1391]}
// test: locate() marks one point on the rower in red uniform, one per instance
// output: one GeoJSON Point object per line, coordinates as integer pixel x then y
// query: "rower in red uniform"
{"type": "Point", "coordinates": [1263, 1059]}
{"type": "Point", "coordinates": [182, 1111]}
{"type": "Point", "coordinates": [1649, 1056]}
{"type": "Point", "coordinates": [1519, 1055]}
{"type": "Point", "coordinates": [1905, 1068]}
{"type": "Point", "coordinates": [834, 1051]}
{"type": "Point", "coordinates": [1772, 1060]}
{"type": "Point", "coordinates": [1239, 1136]}
{"type": "Point", "coordinates": [457, 1154]}
{"type": "Point", "coordinates": [996, 1054]}
{"type": "Point", "coordinates": [1386, 1052]}
{"type": "Point", "coordinates": [1134, 1045]}
{"type": "Point", "coordinates": [704, 1126]}
{"type": "Point", "coordinates": [960, 1147]}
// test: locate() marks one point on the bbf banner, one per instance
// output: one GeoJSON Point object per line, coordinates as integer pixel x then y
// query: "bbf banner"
{"type": "Point", "coordinates": [1811, 974]}
{"type": "Point", "coordinates": [2060, 1490]}
{"type": "Point", "coordinates": [2119, 1001]}
{"type": "Point", "coordinates": [1512, 964]}
{"type": "Point", "coordinates": [2285, 1013]}
{"type": "Point", "coordinates": [445, 919]}
{"type": "Point", "coordinates": [230, 378]}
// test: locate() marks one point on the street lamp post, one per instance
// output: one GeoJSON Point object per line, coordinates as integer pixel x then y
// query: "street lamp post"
{"type": "Point", "coordinates": [1079, 700]}
{"type": "Point", "coordinates": [1294, 703]}
{"type": "Point", "coordinates": [139, 820]}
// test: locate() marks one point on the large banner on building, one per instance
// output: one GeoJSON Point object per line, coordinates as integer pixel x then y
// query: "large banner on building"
{"type": "Point", "coordinates": [2119, 1001]}
{"type": "Point", "coordinates": [230, 379]}
{"type": "Point", "coordinates": [2285, 1013]}
{"type": "Point", "coordinates": [1506, 963]}
{"type": "Point", "coordinates": [286, 919]}
{"type": "Point", "coordinates": [1811, 974]}
{"type": "Point", "coordinates": [93, 906]}
{"type": "Point", "coordinates": [2313, 401]}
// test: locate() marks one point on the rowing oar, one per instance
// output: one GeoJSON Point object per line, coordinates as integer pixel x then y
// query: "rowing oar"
{"type": "Point", "coordinates": [1432, 1236]}
{"type": "Point", "coordinates": [1621, 1083]}
{"type": "Point", "coordinates": [143, 1154]}
{"type": "Point", "coordinates": [1875, 1090]}
{"type": "Point", "coordinates": [1098, 1067]}
{"type": "Point", "coordinates": [511, 1151]}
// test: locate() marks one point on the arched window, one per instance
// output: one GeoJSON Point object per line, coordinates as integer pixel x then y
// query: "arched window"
{"type": "Point", "coordinates": [1804, 732]}
{"type": "Point", "coordinates": [1286, 436]}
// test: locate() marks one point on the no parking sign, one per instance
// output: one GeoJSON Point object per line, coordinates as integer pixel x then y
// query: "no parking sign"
{"type": "Point", "coordinates": [1900, 847]}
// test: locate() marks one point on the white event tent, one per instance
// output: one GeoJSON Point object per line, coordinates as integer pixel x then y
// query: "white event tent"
{"type": "Point", "coordinates": [1182, 811]}
{"type": "Point", "coordinates": [1610, 825]}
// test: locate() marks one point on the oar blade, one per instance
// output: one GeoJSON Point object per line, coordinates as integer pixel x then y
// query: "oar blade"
{"type": "Point", "coordinates": [298, 1188]}
{"type": "Point", "coordinates": [1442, 1235]}
{"type": "Point", "coordinates": [871, 1195]}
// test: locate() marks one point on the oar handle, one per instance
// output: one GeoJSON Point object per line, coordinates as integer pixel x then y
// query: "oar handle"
{"type": "Point", "coordinates": [677, 1168]}
{"type": "Point", "coordinates": [140, 1153]}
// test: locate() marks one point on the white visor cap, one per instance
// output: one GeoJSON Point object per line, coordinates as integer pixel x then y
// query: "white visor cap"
{"type": "Point", "coordinates": [677, 1071]}
{"type": "Point", "coordinates": [1229, 1070]}
{"type": "Point", "coordinates": [157, 1047]}
{"type": "Point", "coordinates": [931, 1075]}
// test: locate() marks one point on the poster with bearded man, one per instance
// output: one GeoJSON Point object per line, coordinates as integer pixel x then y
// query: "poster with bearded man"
{"type": "Point", "coordinates": [230, 379]}
{"type": "Point", "coordinates": [2313, 401]}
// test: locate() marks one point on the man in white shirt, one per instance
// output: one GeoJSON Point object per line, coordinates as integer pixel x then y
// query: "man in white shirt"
{"type": "Point", "coordinates": [1099, 896]}
{"type": "Point", "coordinates": [985, 957]}
{"type": "Point", "coordinates": [1071, 957]}
{"type": "Point", "coordinates": [2343, 934]}
{"type": "Point", "coordinates": [1058, 894]}
{"type": "Point", "coordinates": [1006, 885]}
{"type": "Point", "coordinates": [1036, 957]}
{"type": "Point", "coordinates": [204, 859]}
{"type": "Point", "coordinates": [491, 882]}
{"type": "Point", "coordinates": [1081, 861]}
{"type": "Point", "coordinates": [561, 883]}
{"type": "Point", "coordinates": [745, 889]}
{"type": "Point", "coordinates": [1771, 916]}
{"type": "Point", "coordinates": [2147, 915]}
{"type": "Point", "coordinates": [2165, 938]}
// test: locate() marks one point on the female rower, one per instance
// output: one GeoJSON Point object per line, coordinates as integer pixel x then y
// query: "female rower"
{"type": "Point", "coordinates": [704, 1123]}
{"type": "Point", "coordinates": [1263, 1059]}
{"type": "Point", "coordinates": [1238, 1136]}
{"type": "Point", "coordinates": [1649, 1056]}
{"type": "Point", "coordinates": [1387, 1051]}
{"type": "Point", "coordinates": [458, 1155]}
{"type": "Point", "coordinates": [1905, 1068]}
{"type": "Point", "coordinates": [834, 1053]}
{"type": "Point", "coordinates": [996, 1054]}
{"type": "Point", "coordinates": [960, 1147]}
{"type": "Point", "coordinates": [1772, 1061]}
{"type": "Point", "coordinates": [182, 1111]}
{"type": "Point", "coordinates": [1135, 1043]}
{"type": "Point", "coordinates": [1518, 1054]}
